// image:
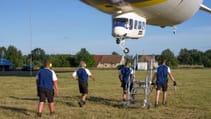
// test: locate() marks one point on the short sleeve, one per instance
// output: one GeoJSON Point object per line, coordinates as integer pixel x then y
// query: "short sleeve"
{"type": "Point", "coordinates": [54, 75]}
{"type": "Point", "coordinates": [132, 71]}
{"type": "Point", "coordinates": [37, 76]}
{"type": "Point", "coordinates": [156, 70]}
{"type": "Point", "coordinates": [88, 72]}
{"type": "Point", "coordinates": [169, 70]}
{"type": "Point", "coordinates": [74, 74]}
{"type": "Point", "coordinates": [120, 72]}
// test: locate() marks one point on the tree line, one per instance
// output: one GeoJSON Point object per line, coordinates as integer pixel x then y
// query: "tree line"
{"type": "Point", "coordinates": [37, 55]}
{"type": "Point", "coordinates": [187, 57]}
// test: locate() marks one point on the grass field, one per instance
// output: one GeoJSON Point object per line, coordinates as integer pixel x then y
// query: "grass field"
{"type": "Point", "coordinates": [191, 100]}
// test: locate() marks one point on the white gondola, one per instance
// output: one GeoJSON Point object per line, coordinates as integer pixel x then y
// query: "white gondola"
{"type": "Point", "coordinates": [128, 26]}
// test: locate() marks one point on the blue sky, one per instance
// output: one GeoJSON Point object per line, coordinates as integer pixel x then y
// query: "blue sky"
{"type": "Point", "coordinates": [66, 26]}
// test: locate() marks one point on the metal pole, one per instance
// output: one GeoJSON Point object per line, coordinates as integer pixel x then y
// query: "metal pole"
{"type": "Point", "coordinates": [30, 29]}
{"type": "Point", "coordinates": [148, 79]}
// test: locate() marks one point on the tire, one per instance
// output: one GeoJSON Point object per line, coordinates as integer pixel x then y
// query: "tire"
{"type": "Point", "coordinates": [126, 50]}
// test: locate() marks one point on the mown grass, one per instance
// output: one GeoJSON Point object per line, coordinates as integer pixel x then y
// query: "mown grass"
{"type": "Point", "coordinates": [191, 100]}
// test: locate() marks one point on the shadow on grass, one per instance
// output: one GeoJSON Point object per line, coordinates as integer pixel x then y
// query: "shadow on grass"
{"type": "Point", "coordinates": [67, 100]}
{"type": "Point", "coordinates": [26, 73]}
{"type": "Point", "coordinates": [71, 101]}
{"type": "Point", "coordinates": [114, 103]}
{"type": "Point", "coordinates": [64, 71]}
{"type": "Point", "coordinates": [16, 109]}
{"type": "Point", "coordinates": [109, 102]}
{"type": "Point", "coordinates": [62, 100]}
{"type": "Point", "coordinates": [19, 73]}
{"type": "Point", "coordinates": [27, 99]}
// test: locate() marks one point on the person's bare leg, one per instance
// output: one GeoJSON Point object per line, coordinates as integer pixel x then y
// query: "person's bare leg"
{"type": "Point", "coordinates": [83, 97]}
{"type": "Point", "coordinates": [40, 108]}
{"type": "Point", "coordinates": [124, 97]}
{"type": "Point", "coordinates": [164, 97]}
{"type": "Point", "coordinates": [83, 100]}
{"type": "Point", "coordinates": [157, 97]}
{"type": "Point", "coordinates": [51, 107]}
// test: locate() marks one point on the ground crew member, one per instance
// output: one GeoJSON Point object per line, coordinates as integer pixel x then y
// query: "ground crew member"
{"type": "Point", "coordinates": [125, 76]}
{"type": "Point", "coordinates": [161, 74]}
{"type": "Point", "coordinates": [46, 81]}
{"type": "Point", "coordinates": [82, 74]}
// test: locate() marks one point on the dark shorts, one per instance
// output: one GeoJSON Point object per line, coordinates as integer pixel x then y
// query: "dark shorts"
{"type": "Point", "coordinates": [83, 87]}
{"type": "Point", "coordinates": [125, 87]}
{"type": "Point", "coordinates": [163, 86]}
{"type": "Point", "coordinates": [44, 93]}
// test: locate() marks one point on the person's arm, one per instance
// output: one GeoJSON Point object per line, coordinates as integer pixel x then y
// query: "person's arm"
{"type": "Point", "coordinates": [92, 77]}
{"type": "Point", "coordinates": [37, 79]}
{"type": "Point", "coordinates": [132, 74]}
{"type": "Point", "coordinates": [171, 77]}
{"type": "Point", "coordinates": [154, 75]}
{"type": "Point", "coordinates": [74, 75]}
{"type": "Point", "coordinates": [55, 83]}
{"type": "Point", "coordinates": [56, 87]}
{"type": "Point", "coordinates": [120, 76]}
{"type": "Point", "coordinates": [89, 74]}
{"type": "Point", "coordinates": [153, 78]}
{"type": "Point", "coordinates": [37, 83]}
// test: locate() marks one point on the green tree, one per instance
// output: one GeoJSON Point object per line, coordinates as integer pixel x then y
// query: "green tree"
{"type": "Point", "coordinates": [14, 55]}
{"type": "Point", "coordinates": [60, 60]}
{"type": "Point", "coordinates": [190, 57]}
{"type": "Point", "coordinates": [207, 58]}
{"type": "Point", "coordinates": [196, 57]}
{"type": "Point", "coordinates": [63, 60]}
{"type": "Point", "coordinates": [84, 55]}
{"type": "Point", "coordinates": [73, 61]}
{"type": "Point", "coordinates": [115, 53]}
{"type": "Point", "coordinates": [184, 57]}
{"type": "Point", "coordinates": [3, 51]}
{"type": "Point", "coordinates": [38, 56]}
{"type": "Point", "coordinates": [208, 53]}
{"type": "Point", "coordinates": [170, 57]}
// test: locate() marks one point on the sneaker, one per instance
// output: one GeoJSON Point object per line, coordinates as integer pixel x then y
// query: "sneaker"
{"type": "Point", "coordinates": [124, 103]}
{"type": "Point", "coordinates": [81, 103]}
{"type": "Point", "coordinates": [52, 113]}
{"type": "Point", "coordinates": [165, 103]}
{"type": "Point", "coordinates": [156, 105]}
{"type": "Point", "coordinates": [39, 114]}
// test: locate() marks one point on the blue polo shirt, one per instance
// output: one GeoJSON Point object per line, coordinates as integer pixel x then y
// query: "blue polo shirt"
{"type": "Point", "coordinates": [82, 74]}
{"type": "Point", "coordinates": [45, 78]}
{"type": "Point", "coordinates": [162, 74]}
{"type": "Point", "coordinates": [125, 73]}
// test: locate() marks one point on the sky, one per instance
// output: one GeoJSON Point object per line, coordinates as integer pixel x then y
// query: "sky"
{"type": "Point", "coordinates": [66, 26]}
